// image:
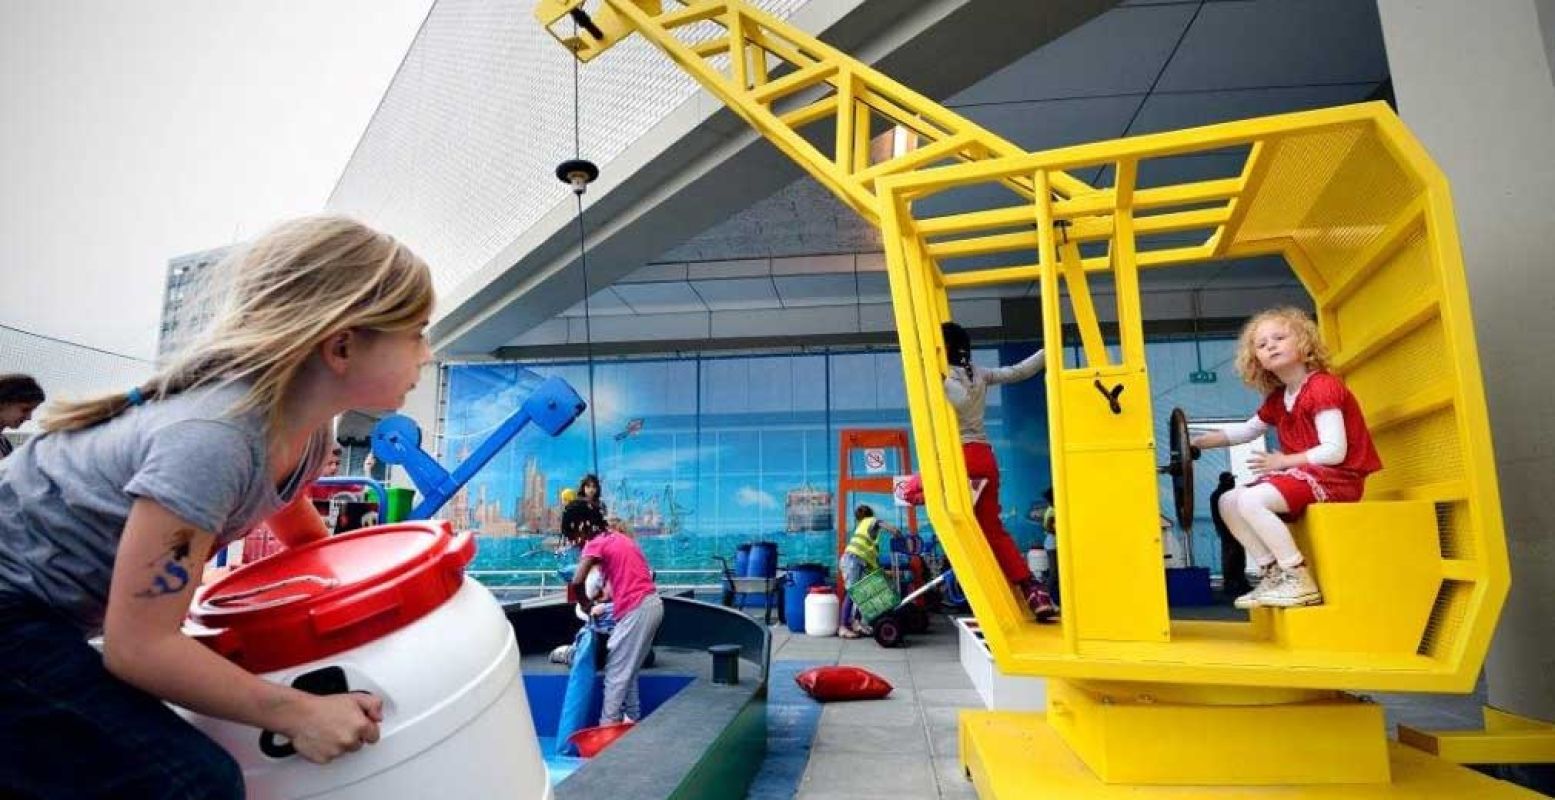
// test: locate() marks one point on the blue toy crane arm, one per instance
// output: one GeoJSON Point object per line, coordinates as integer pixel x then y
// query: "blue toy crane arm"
{"type": "Point", "coordinates": [553, 405]}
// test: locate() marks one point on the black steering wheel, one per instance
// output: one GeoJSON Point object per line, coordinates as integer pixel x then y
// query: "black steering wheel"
{"type": "Point", "coordinates": [1180, 467]}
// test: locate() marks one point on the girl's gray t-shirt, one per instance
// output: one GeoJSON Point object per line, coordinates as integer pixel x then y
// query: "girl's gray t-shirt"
{"type": "Point", "coordinates": [64, 497]}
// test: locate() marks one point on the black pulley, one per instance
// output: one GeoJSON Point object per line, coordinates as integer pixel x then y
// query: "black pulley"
{"type": "Point", "coordinates": [577, 172]}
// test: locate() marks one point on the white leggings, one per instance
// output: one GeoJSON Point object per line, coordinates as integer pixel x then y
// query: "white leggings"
{"type": "Point", "coordinates": [1249, 511]}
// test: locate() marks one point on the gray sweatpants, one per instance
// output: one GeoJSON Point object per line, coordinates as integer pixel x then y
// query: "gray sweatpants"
{"type": "Point", "coordinates": [629, 644]}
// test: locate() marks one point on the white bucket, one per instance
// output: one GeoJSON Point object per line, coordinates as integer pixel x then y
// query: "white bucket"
{"type": "Point", "coordinates": [456, 720]}
{"type": "Point", "coordinates": [1036, 561]}
{"type": "Point", "coordinates": [820, 614]}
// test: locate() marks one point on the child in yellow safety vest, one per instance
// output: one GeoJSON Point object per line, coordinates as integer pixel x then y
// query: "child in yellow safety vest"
{"type": "Point", "coordinates": [860, 557]}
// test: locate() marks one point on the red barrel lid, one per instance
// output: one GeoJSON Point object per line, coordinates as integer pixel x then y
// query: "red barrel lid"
{"type": "Point", "coordinates": [332, 595]}
{"type": "Point", "coordinates": [821, 590]}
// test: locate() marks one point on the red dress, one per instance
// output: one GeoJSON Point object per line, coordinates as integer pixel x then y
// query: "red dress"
{"type": "Point", "coordinates": [1296, 430]}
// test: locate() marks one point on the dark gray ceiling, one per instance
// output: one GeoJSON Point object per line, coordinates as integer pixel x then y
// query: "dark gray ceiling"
{"type": "Point", "coordinates": [1144, 66]}
{"type": "Point", "coordinates": [673, 164]}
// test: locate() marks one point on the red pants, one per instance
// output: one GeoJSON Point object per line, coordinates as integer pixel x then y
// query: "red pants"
{"type": "Point", "coordinates": [981, 465]}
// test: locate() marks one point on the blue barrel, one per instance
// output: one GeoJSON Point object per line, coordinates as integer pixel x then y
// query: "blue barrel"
{"type": "Point", "coordinates": [742, 561]}
{"type": "Point", "coordinates": [800, 578]}
{"type": "Point", "coordinates": [763, 561]}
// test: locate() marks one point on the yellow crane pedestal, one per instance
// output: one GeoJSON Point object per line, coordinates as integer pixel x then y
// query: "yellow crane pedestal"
{"type": "Point", "coordinates": [1142, 705]}
{"type": "Point", "coordinates": [1013, 755]}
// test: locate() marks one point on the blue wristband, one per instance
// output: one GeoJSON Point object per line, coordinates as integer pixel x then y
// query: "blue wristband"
{"type": "Point", "coordinates": [134, 397]}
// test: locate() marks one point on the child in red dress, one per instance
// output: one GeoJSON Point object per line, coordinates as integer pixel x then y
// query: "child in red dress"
{"type": "Point", "coordinates": [1325, 451]}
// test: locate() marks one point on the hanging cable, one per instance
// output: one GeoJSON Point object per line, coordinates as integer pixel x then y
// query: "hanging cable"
{"type": "Point", "coordinates": [578, 173]}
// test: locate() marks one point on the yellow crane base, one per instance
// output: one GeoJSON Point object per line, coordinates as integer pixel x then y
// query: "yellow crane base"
{"type": "Point", "coordinates": [1506, 739]}
{"type": "Point", "coordinates": [1012, 755]}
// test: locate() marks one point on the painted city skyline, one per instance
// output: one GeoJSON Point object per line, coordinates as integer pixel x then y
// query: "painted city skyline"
{"type": "Point", "coordinates": [699, 455]}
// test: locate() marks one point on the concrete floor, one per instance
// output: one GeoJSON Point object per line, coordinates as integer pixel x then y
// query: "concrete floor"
{"type": "Point", "coordinates": [904, 746]}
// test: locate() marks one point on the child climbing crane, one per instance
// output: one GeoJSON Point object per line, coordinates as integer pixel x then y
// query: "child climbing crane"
{"type": "Point", "coordinates": [1325, 451]}
{"type": "Point", "coordinates": [967, 389]}
{"type": "Point", "coordinates": [108, 517]}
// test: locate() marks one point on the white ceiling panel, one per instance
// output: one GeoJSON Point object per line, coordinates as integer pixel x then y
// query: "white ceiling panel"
{"type": "Point", "coordinates": [817, 290]}
{"type": "Point", "coordinates": [741, 268]}
{"type": "Point", "coordinates": [813, 265]}
{"type": "Point", "coordinates": [977, 313]}
{"type": "Point", "coordinates": [876, 317]}
{"type": "Point", "coordinates": [552, 331]}
{"type": "Point", "coordinates": [656, 272]}
{"type": "Point", "coordinates": [604, 302]}
{"type": "Point", "coordinates": [660, 298]}
{"type": "Point", "coordinates": [649, 327]}
{"type": "Point", "coordinates": [874, 287]}
{"type": "Point", "coordinates": [785, 322]}
{"type": "Point", "coordinates": [737, 293]}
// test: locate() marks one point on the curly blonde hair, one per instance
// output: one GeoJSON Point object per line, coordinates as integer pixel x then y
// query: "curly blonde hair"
{"type": "Point", "coordinates": [1307, 338]}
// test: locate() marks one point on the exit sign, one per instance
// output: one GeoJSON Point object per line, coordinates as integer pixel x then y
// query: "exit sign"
{"type": "Point", "coordinates": [1202, 376]}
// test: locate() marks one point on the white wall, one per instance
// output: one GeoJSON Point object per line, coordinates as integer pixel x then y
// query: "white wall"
{"type": "Point", "coordinates": [1473, 82]}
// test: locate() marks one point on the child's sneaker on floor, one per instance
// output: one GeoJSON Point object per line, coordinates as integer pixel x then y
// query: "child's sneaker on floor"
{"type": "Point", "coordinates": [1041, 604]}
{"type": "Point", "coordinates": [1295, 588]}
{"type": "Point", "coordinates": [1268, 577]}
{"type": "Point", "coordinates": [847, 633]}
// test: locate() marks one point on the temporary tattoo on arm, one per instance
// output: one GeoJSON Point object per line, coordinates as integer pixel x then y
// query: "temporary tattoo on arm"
{"type": "Point", "coordinates": [172, 566]}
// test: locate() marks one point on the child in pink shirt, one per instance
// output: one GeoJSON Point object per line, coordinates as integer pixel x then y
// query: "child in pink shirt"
{"type": "Point", "coordinates": [637, 608]}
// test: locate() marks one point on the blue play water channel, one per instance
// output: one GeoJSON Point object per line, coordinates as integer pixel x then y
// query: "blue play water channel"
{"type": "Point", "coordinates": [545, 706]}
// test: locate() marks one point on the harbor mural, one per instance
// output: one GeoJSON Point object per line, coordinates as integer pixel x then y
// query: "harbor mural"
{"type": "Point", "coordinates": [699, 455]}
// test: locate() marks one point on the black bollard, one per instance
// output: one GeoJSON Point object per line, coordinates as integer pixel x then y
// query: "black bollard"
{"type": "Point", "coordinates": [726, 663]}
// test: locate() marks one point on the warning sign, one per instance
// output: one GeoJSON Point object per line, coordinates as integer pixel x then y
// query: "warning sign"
{"type": "Point", "coordinates": [874, 460]}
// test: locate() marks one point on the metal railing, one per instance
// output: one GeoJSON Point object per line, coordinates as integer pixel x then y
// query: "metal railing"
{"type": "Point", "coordinates": [544, 582]}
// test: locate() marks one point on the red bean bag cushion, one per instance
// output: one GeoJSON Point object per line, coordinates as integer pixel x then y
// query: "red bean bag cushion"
{"type": "Point", "coordinates": [910, 491]}
{"type": "Point", "coordinates": [842, 683]}
{"type": "Point", "coordinates": [590, 741]}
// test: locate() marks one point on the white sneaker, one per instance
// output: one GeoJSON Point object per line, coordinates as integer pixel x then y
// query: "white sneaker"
{"type": "Point", "coordinates": [1295, 588]}
{"type": "Point", "coordinates": [1268, 578]}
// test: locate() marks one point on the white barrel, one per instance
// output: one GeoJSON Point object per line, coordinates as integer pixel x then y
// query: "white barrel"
{"type": "Point", "coordinates": [456, 718]}
{"type": "Point", "coordinates": [820, 613]}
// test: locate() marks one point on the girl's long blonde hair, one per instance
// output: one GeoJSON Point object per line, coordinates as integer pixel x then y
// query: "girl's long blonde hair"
{"type": "Point", "coordinates": [1307, 338]}
{"type": "Point", "coordinates": [281, 296]}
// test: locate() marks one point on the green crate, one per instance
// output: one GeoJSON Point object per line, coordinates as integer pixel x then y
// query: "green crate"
{"type": "Point", "coordinates": [874, 595]}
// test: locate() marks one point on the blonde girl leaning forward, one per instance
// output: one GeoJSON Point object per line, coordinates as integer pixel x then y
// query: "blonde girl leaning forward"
{"type": "Point", "coordinates": [1325, 451]}
{"type": "Point", "coordinates": [108, 517]}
